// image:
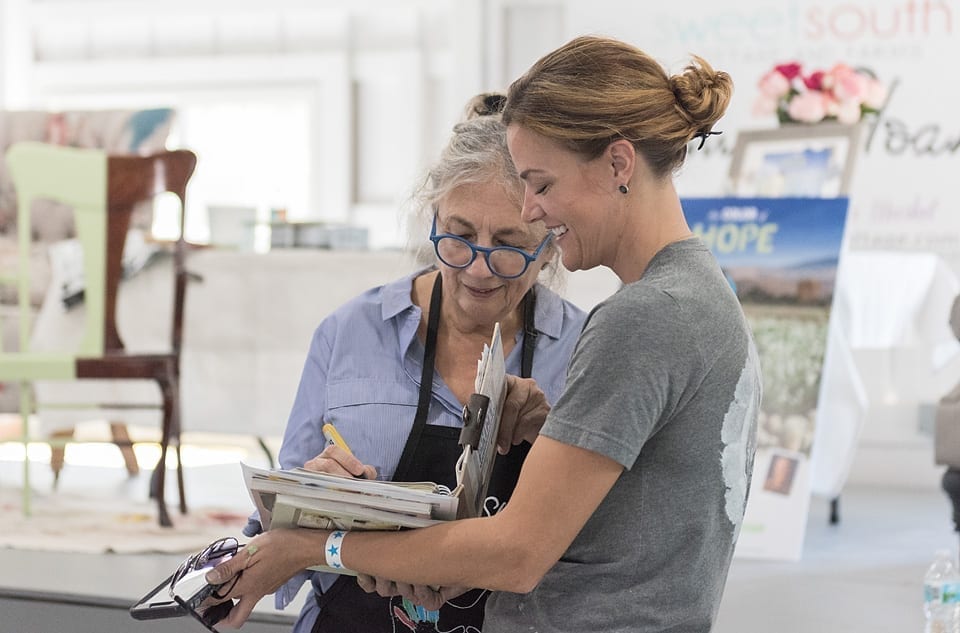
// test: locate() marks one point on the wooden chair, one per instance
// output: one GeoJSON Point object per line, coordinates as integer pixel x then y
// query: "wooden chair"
{"type": "Point", "coordinates": [102, 190]}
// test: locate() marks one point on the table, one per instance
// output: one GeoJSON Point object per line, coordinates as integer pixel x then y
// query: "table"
{"type": "Point", "coordinates": [248, 321]}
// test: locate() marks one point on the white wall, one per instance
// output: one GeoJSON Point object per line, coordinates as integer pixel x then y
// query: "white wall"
{"type": "Point", "coordinates": [14, 53]}
{"type": "Point", "coordinates": [378, 84]}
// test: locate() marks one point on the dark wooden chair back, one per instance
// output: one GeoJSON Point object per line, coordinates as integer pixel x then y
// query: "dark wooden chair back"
{"type": "Point", "coordinates": [131, 180]}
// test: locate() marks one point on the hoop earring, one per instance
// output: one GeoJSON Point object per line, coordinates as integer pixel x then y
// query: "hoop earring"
{"type": "Point", "coordinates": [624, 189]}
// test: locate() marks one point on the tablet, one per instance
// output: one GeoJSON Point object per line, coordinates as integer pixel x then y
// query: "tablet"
{"type": "Point", "coordinates": [158, 603]}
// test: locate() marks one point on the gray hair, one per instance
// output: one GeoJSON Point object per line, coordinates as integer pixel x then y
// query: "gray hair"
{"type": "Point", "coordinates": [476, 153]}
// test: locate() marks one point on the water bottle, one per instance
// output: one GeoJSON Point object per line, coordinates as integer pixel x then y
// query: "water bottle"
{"type": "Point", "coordinates": [941, 595]}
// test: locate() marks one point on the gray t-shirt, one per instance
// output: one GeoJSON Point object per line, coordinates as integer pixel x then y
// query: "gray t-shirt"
{"type": "Point", "coordinates": [665, 380]}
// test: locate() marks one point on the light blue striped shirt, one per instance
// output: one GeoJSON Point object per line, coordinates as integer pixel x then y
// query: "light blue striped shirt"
{"type": "Point", "coordinates": [362, 374]}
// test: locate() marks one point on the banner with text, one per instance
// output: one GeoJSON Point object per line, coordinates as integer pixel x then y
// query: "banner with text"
{"type": "Point", "coordinates": [780, 256]}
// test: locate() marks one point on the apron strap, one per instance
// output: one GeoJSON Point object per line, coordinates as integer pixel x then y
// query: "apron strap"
{"type": "Point", "coordinates": [429, 360]}
{"type": "Point", "coordinates": [529, 333]}
{"type": "Point", "coordinates": [426, 382]}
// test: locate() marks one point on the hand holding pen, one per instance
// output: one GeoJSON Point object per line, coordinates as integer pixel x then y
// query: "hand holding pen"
{"type": "Point", "coordinates": [338, 459]}
{"type": "Point", "coordinates": [338, 450]}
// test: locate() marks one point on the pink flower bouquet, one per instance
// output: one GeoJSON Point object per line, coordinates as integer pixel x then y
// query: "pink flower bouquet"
{"type": "Point", "coordinates": [842, 94]}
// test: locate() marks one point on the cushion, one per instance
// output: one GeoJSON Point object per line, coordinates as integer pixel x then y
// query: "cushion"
{"type": "Point", "coordinates": [115, 131]}
{"type": "Point", "coordinates": [39, 270]}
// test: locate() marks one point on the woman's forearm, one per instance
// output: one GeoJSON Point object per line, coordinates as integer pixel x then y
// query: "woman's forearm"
{"type": "Point", "coordinates": [471, 553]}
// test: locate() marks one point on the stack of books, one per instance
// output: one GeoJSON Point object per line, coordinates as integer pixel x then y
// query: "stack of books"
{"type": "Point", "coordinates": [299, 498]}
{"type": "Point", "coordinates": [303, 498]}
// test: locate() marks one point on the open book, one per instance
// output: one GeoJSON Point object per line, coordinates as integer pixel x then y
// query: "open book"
{"type": "Point", "coordinates": [298, 498]}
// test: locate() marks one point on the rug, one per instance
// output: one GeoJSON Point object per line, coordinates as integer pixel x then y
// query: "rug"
{"type": "Point", "coordinates": [100, 524]}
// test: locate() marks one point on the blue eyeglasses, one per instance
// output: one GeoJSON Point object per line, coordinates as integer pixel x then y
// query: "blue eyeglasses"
{"type": "Point", "coordinates": [503, 261]}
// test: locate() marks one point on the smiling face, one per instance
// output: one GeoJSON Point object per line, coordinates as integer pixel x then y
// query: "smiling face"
{"type": "Point", "coordinates": [570, 195]}
{"type": "Point", "coordinates": [483, 214]}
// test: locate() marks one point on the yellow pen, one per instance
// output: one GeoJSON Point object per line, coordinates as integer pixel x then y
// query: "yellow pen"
{"type": "Point", "coordinates": [334, 438]}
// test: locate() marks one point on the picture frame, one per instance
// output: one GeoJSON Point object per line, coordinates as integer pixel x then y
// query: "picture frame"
{"type": "Point", "coordinates": [795, 160]}
{"type": "Point", "coordinates": [781, 472]}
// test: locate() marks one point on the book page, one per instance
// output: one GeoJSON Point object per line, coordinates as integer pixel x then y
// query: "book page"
{"type": "Point", "coordinates": [414, 500]}
{"type": "Point", "coordinates": [293, 511]}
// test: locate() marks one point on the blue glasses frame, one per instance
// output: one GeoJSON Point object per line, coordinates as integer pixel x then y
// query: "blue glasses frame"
{"type": "Point", "coordinates": [474, 249]}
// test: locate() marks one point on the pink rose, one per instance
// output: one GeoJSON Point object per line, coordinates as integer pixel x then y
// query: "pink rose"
{"type": "Point", "coordinates": [848, 83]}
{"type": "Point", "coordinates": [814, 81]}
{"type": "Point", "coordinates": [807, 107]}
{"type": "Point", "coordinates": [791, 71]}
{"type": "Point", "coordinates": [830, 105]}
{"type": "Point", "coordinates": [848, 111]}
{"type": "Point", "coordinates": [774, 84]}
{"type": "Point", "coordinates": [841, 93]}
{"type": "Point", "coordinates": [875, 95]}
{"type": "Point", "coordinates": [764, 105]}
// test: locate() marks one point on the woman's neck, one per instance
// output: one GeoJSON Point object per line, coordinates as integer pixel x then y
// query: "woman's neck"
{"type": "Point", "coordinates": [650, 226]}
{"type": "Point", "coordinates": [455, 323]}
{"type": "Point", "coordinates": [459, 341]}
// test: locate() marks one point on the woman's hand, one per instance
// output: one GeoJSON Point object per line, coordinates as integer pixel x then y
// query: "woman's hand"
{"type": "Point", "coordinates": [430, 598]}
{"type": "Point", "coordinates": [337, 461]}
{"type": "Point", "coordinates": [525, 408]}
{"type": "Point", "coordinates": [264, 565]}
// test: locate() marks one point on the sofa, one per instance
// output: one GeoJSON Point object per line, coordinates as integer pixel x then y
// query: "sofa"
{"type": "Point", "coordinates": [117, 132]}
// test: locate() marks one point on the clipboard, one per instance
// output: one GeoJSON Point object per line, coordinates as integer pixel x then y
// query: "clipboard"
{"type": "Point", "coordinates": [481, 423]}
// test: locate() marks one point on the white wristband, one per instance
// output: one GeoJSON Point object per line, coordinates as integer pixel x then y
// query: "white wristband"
{"type": "Point", "coordinates": [333, 549]}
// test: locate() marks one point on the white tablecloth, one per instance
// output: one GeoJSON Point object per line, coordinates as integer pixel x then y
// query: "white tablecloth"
{"type": "Point", "coordinates": [247, 328]}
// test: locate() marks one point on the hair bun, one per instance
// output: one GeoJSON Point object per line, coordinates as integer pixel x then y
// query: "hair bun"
{"type": "Point", "coordinates": [494, 103]}
{"type": "Point", "coordinates": [486, 104]}
{"type": "Point", "coordinates": [703, 94]}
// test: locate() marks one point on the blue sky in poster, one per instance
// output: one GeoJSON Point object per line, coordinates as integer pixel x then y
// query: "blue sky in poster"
{"type": "Point", "coordinates": [769, 232]}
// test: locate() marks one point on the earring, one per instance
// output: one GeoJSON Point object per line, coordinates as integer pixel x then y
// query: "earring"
{"type": "Point", "coordinates": [624, 189]}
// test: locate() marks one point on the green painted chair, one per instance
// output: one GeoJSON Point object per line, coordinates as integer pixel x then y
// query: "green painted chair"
{"type": "Point", "coordinates": [102, 190]}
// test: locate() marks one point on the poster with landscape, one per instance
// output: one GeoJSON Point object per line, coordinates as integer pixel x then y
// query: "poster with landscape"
{"type": "Point", "coordinates": [780, 256]}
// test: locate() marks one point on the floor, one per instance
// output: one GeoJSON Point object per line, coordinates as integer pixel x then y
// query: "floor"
{"type": "Point", "coordinates": [83, 593]}
{"type": "Point", "coordinates": [862, 575]}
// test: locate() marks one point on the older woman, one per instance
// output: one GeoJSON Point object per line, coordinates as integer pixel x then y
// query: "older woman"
{"type": "Point", "coordinates": [392, 368]}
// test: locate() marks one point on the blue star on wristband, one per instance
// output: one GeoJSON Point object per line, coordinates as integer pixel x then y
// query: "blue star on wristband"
{"type": "Point", "coordinates": [333, 549]}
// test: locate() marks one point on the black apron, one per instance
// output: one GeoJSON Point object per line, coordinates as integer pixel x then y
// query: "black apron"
{"type": "Point", "coordinates": [430, 454]}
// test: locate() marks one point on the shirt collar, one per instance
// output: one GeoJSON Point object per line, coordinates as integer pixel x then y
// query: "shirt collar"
{"type": "Point", "coordinates": [395, 296]}
{"type": "Point", "coordinates": [549, 315]}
